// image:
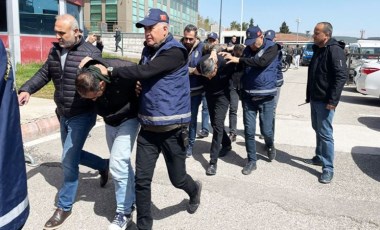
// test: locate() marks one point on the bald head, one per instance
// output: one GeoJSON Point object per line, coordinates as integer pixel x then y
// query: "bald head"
{"type": "Point", "coordinates": [67, 31]}
{"type": "Point", "coordinates": [69, 19]}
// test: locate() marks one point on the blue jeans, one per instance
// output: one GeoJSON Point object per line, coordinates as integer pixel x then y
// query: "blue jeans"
{"type": "Point", "coordinates": [321, 121]}
{"type": "Point", "coordinates": [74, 131]}
{"type": "Point", "coordinates": [195, 102]}
{"type": "Point", "coordinates": [120, 140]}
{"type": "Point", "coordinates": [250, 109]}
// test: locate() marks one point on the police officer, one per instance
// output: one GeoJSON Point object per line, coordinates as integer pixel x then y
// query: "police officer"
{"type": "Point", "coordinates": [164, 113]}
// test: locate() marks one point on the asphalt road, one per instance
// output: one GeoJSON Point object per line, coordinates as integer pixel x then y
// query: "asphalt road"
{"type": "Point", "coordinates": [284, 194]}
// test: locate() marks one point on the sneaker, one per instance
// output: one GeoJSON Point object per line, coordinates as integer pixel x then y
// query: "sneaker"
{"type": "Point", "coordinates": [203, 133]}
{"type": "Point", "coordinates": [261, 137]}
{"type": "Point", "coordinates": [195, 201]}
{"type": "Point", "coordinates": [211, 170]}
{"type": "Point", "coordinates": [249, 167]}
{"type": "Point", "coordinates": [232, 137]}
{"type": "Point", "coordinates": [326, 177]}
{"type": "Point", "coordinates": [313, 161]}
{"type": "Point", "coordinates": [189, 151]}
{"type": "Point", "coordinates": [226, 149]}
{"type": "Point", "coordinates": [271, 152]}
{"type": "Point", "coordinates": [120, 221]}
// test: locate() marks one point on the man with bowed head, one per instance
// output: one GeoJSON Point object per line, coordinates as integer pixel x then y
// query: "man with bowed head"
{"type": "Point", "coordinates": [164, 113]}
{"type": "Point", "coordinates": [327, 75]}
{"type": "Point", "coordinates": [260, 62]}
{"type": "Point", "coordinates": [76, 115]}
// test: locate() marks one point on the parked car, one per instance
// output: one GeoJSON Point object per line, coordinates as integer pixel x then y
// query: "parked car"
{"type": "Point", "coordinates": [368, 80]}
{"type": "Point", "coordinates": [364, 51]}
{"type": "Point", "coordinates": [307, 53]}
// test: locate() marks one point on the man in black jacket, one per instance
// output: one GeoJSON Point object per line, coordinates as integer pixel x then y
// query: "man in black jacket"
{"type": "Point", "coordinates": [76, 115]}
{"type": "Point", "coordinates": [327, 75]}
{"type": "Point", "coordinates": [216, 79]}
{"type": "Point", "coordinates": [116, 101]}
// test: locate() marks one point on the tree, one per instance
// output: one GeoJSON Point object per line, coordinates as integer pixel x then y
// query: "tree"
{"type": "Point", "coordinates": [251, 22]}
{"type": "Point", "coordinates": [284, 28]}
{"type": "Point", "coordinates": [245, 25]}
{"type": "Point", "coordinates": [234, 25]}
{"type": "Point", "coordinates": [204, 23]}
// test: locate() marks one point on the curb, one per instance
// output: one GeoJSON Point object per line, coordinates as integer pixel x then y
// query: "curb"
{"type": "Point", "coordinates": [39, 127]}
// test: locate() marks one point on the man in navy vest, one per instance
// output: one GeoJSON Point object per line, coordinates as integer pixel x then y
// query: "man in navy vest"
{"type": "Point", "coordinates": [194, 47]}
{"type": "Point", "coordinates": [260, 65]}
{"type": "Point", "coordinates": [164, 112]}
{"type": "Point", "coordinates": [14, 203]}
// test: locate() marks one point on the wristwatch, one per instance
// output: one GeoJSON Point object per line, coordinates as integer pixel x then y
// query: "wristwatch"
{"type": "Point", "coordinates": [109, 70]}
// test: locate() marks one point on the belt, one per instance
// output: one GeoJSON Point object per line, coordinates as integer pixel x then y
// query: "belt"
{"type": "Point", "coordinates": [163, 128]}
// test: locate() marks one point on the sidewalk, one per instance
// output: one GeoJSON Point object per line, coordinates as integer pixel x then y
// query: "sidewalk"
{"type": "Point", "coordinates": [38, 119]}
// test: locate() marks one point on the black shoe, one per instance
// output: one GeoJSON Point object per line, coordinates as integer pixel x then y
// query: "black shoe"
{"type": "Point", "coordinates": [211, 170]}
{"type": "Point", "coordinates": [326, 177]}
{"type": "Point", "coordinates": [195, 201]}
{"type": "Point", "coordinates": [104, 176]}
{"type": "Point", "coordinates": [58, 218]}
{"type": "Point", "coordinates": [223, 152]}
{"type": "Point", "coordinates": [232, 137]}
{"type": "Point", "coordinates": [249, 167]}
{"type": "Point", "coordinates": [271, 152]}
{"type": "Point", "coordinates": [313, 161]}
{"type": "Point", "coordinates": [203, 133]}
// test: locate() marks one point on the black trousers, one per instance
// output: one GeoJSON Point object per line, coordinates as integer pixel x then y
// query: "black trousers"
{"type": "Point", "coordinates": [217, 108]}
{"type": "Point", "coordinates": [234, 104]}
{"type": "Point", "coordinates": [149, 146]}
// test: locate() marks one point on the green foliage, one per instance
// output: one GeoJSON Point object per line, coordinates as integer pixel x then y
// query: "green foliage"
{"type": "Point", "coordinates": [284, 28]}
{"type": "Point", "coordinates": [25, 72]}
{"type": "Point", "coordinates": [251, 21]}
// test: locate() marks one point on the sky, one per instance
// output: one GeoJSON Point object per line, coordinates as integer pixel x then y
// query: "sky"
{"type": "Point", "coordinates": [348, 17]}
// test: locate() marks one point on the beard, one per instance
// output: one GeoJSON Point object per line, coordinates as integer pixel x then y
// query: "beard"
{"type": "Point", "coordinates": [68, 43]}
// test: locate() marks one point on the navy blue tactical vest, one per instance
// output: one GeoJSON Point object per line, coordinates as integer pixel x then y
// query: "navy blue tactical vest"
{"type": "Point", "coordinates": [14, 203]}
{"type": "Point", "coordinates": [165, 99]}
{"type": "Point", "coordinates": [195, 56]}
{"type": "Point", "coordinates": [260, 81]}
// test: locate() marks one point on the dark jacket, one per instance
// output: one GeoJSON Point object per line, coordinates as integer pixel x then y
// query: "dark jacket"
{"type": "Point", "coordinates": [119, 101]}
{"type": "Point", "coordinates": [220, 83]}
{"type": "Point", "coordinates": [327, 73]}
{"type": "Point", "coordinates": [68, 101]}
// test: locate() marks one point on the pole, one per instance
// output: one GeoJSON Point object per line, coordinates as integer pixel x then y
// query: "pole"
{"type": "Point", "coordinates": [220, 20]}
{"type": "Point", "coordinates": [241, 23]}
{"type": "Point", "coordinates": [298, 22]}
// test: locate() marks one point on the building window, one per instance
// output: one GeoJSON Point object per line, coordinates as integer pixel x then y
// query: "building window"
{"type": "Point", "coordinates": [37, 16]}
{"type": "Point", "coordinates": [95, 14]}
{"type": "Point", "coordinates": [73, 10]}
{"type": "Point", "coordinates": [111, 14]}
{"type": "Point", "coordinates": [3, 16]}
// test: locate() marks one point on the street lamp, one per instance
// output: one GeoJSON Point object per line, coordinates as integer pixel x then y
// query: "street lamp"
{"type": "Point", "coordinates": [220, 20]}
{"type": "Point", "coordinates": [298, 20]}
{"type": "Point", "coordinates": [241, 22]}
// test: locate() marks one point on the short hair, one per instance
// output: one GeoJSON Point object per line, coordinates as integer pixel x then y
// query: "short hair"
{"type": "Point", "coordinates": [207, 66]}
{"type": "Point", "coordinates": [69, 18]}
{"type": "Point", "coordinates": [86, 82]}
{"type": "Point", "coordinates": [190, 28]}
{"type": "Point", "coordinates": [238, 49]}
{"type": "Point", "coordinates": [327, 28]}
